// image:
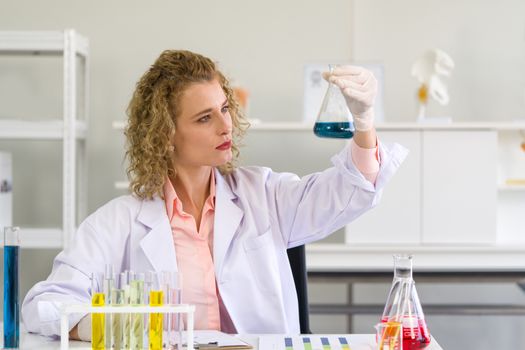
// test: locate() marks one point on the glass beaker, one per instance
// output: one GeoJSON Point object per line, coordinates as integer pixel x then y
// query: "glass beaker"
{"type": "Point", "coordinates": [334, 119]}
{"type": "Point", "coordinates": [11, 302]}
{"type": "Point", "coordinates": [389, 336]}
{"type": "Point", "coordinates": [403, 306]}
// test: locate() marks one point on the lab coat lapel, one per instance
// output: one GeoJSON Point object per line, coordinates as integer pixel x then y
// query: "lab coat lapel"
{"type": "Point", "coordinates": [157, 245]}
{"type": "Point", "coordinates": [227, 219]}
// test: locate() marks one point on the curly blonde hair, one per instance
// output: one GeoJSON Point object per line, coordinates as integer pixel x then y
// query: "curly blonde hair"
{"type": "Point", "coordinates": [151, 118]}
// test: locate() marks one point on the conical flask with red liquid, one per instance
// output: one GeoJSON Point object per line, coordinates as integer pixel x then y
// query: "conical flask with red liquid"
{"type": "Point", "coordinates": [403, 306]}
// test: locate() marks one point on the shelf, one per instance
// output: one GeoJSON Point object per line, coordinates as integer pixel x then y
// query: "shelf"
{"type": "Point", "coordinates": [257, 125]}
{"type": "Point", "coordinates": [68, 46]}
{"type": "Point", "coordinates": [121, 185]}
{"type": "Point", "coordinates": [299, 126]}
{"type": "Point", "coordinates": [40, 130]}
{"type": "Point", "coordinates": [470, 126]}
{"type": "Point", "coordinates": [41, 238]}
{"type": "Point", "coordinates": [342, 257]}
{"type": "Point", "coordinates": [511, 188]}
{"type": "Point", "coordinates": [118, 124]}
{"type": "Point", "coordinates": [39, 42]}
{"type": "Point", "coordinates": [280, 126]}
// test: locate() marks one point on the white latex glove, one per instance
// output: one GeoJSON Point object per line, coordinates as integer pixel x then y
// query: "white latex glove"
{"type": "Point", "coordinates": [359, 87]}
{"type": "Point", "coordinates": [84, 328]}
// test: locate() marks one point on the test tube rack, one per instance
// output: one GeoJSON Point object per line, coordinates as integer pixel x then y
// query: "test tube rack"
{"type": "Point", "coordinates": [69, 309]}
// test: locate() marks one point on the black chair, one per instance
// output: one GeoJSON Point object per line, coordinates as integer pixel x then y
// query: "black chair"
{"type": "Point", "coordinates": [297, 259]}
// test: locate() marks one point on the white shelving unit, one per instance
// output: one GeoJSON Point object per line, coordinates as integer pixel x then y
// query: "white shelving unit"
{"type": "Point", "coordinates": [68, 128]}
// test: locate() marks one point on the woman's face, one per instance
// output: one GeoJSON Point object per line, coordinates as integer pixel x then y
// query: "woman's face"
{"type": "Point", "coordinates": [203, 135]}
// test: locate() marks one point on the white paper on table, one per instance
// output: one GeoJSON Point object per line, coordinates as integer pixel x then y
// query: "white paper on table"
{"type": "Point", "coordinates": [355, 342]}
{"type": "Point", "coordinates": [222, 339]}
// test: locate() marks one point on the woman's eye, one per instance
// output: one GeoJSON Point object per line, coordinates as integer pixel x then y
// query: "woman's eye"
{"type": "Point", "coordinates": [204, 119]}
{"type": "Point", "coordinates": [225, 109]}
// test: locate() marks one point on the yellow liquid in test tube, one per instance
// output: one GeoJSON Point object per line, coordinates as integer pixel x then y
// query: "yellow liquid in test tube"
{"type": "Point", "coordinates": [155, 321]}
{"type": "Point", "coordinates": [98, 324]}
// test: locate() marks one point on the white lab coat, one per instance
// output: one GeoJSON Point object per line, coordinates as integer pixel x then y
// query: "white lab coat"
{"type": "Point", "coordinates": [258, 215]}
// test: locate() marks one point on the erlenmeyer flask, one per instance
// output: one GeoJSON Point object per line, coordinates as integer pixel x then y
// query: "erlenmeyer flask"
{"type": "Point", "coordinates": [334, 119]}
{"type": "Point", "coordinates": [403, 306]}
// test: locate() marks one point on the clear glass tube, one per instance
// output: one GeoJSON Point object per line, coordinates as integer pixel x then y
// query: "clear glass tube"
{"type": "Point", "coordinates": [137, 320]}
{"type": "Point", "coordinates": [11, 290]}
{"type": "Point", "coordinates": [172, 286]}
{"type": "Point", "coordinates": [126, 318]}
{"type": "Point", "coordinates": [98, 327]}
{"type": "Point", "coordinates": [118, 299]}
{"type": "Point", "coordinates": [109, 278]}
{"type": "Point", "coordinates": [148, 284]}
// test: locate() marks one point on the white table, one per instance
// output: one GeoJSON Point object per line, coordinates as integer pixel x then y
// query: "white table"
{"type": "Point", "coordinates": [37, 342]}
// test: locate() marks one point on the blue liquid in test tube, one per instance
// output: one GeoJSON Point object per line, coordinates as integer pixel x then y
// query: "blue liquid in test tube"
{"type": "Point", "coordinates": [11, 303]}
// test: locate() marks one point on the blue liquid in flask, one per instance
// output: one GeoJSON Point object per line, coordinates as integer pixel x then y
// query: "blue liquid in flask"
{"type": "Point", "coordinates": [335, 130]}
{"type": "Point", "coordinates": [11, 306]}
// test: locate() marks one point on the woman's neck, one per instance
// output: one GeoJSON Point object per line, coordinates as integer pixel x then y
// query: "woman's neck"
{"type": "Point", "coordinates": [193, 187]}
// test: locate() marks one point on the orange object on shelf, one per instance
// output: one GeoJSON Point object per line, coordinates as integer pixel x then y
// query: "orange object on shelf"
{"type": "Point", "coordinates": [515, 182]}
{"type": "Point", "coordinates": [241, 95]}
{"type": "Point", "coordinates": [422, 94]}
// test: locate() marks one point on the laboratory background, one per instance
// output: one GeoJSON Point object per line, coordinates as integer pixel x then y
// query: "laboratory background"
{"type": "Point", "coordinates": [456, 204]}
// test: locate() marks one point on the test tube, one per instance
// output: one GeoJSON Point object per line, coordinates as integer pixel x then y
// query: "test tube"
{"type": "Point", "coordinates": [126, 318]}
{"type": "Point", "coordinates": [98, 341]}
{"type": "Point", "coordinates": [172, 288]}
{"type": "Point", "coordinates": [137, 320]}
{"type": "Point", "coordinates": [117, 297]}
{"type": "Point", "coordinates": [156, 298]}
{"type": "Point", "coordinates": [148, 282]}
{"type": "Point", "coordinates": [11, 294]}
{"type": "Point", "coordinates": [109, 277]}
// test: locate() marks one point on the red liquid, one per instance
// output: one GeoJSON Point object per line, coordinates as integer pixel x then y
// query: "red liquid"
{"type": "Point", "coordinates": [414, 337]}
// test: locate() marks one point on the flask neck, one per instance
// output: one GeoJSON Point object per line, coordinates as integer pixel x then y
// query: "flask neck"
{"type": "Point", "coordinates": [331, 86]}
{"type": "Point", "coordinates": [403, 266]}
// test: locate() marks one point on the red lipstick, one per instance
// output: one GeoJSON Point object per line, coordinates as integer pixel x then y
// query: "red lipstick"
{"type": "Point", "coordinates": [224, 146]}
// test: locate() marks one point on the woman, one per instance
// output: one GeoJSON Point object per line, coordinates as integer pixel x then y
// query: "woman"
{"type": "Point", "coordinates": [225, 228]}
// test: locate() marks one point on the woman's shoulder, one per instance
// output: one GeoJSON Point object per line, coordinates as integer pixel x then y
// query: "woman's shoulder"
{"type": "Point", "coordinates": [251, 170]}
{"type": "Point", "coordinates": [126, 201]}
{"type": "Point", "coordinates": [251, 173]}
{"type": "Point", "coordinates": [118, 208]}
{"type": "Point", "coordinates": [256, 175]}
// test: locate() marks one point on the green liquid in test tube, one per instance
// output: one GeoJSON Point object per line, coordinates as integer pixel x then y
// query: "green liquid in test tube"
{"type": "Point", "coordinates": [137, 320]}
{"type": "Point", "coordinates": [118, 299]}
{"type": "Point", "coordinates": [126, 318]}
